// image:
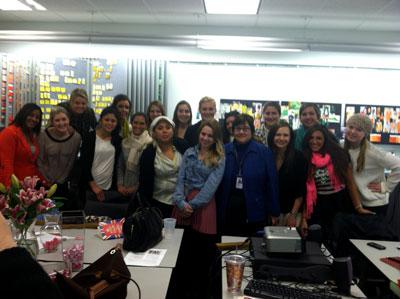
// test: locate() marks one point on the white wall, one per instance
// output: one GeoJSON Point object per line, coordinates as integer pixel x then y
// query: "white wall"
{"type": "Point", "coordinates": [191, 81]}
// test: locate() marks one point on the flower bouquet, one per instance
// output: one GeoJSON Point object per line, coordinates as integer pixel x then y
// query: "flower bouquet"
{"type": "Point", "coordinates": [22, 202]}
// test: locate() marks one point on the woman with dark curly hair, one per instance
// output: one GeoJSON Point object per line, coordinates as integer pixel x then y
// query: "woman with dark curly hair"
{"type": "Point", "coordinates": [19, 144]}
{"type": "Point", "coordinates": [330, 181]}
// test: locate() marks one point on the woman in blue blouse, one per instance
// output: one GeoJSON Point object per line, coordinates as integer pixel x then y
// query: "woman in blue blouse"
{"type": "Point", "coordinates": [199, 176]}
{"type": "Point", "coordinates": [248, 193]}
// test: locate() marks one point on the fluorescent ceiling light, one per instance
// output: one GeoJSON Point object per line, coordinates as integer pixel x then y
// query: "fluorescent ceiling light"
{"type": "Point", "coordinates": [13, 5]}
{"type": "Point", "coordinates": [232, 7]}
{"type": "Point", "coordinates": [35, 5]}
{"type": "Point", "coordinates": [241, 43]}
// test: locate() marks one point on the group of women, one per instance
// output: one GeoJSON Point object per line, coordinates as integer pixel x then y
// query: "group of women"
{"type": "Point", "coordinates": [272, 175]}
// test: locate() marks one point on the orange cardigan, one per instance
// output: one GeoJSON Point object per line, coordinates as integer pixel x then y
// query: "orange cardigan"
{"type": "Point", "coordinates": [16, 156]}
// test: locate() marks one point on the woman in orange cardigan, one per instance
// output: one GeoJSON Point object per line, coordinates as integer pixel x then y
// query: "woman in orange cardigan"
{"type": "Point", "coordinates": [19, 148]}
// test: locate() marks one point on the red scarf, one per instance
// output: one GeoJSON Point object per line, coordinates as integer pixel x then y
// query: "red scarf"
{"type": "Point", "coordinates": [319, 161]}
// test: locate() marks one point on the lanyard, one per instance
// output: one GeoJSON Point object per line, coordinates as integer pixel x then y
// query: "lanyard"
{"type": "Point", "coordinates": [240, 163]}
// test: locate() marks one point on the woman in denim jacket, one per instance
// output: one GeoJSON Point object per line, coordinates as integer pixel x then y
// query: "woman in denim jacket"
{"type": "Point", "coordinates": [200, 173]}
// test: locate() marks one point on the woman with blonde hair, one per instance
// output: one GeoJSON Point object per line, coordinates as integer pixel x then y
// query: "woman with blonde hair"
{"type": "Point", "coordinates": [59, 145]}
{"type": "Point", "coordinates": [200, 173]}
{"type": "Point", "coordinates": [369, 164]}
{"type": "Point", "coordinates": [82, 117]}
{"type": "Point", "coordinates": [207, 109]}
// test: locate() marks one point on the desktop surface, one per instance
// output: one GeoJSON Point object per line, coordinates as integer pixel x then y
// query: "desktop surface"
{"type": "Point", "coordinates": [248, 274]}
{"type": "Point", "coordinates": [374, 255]}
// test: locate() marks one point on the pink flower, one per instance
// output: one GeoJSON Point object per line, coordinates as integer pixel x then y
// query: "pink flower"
{"type": "Point", "coordinates": [45, 205]}
{"type": "Point", "coordinates": [24, 201]}
{"type": "Point", "coordinates": [30, 182]}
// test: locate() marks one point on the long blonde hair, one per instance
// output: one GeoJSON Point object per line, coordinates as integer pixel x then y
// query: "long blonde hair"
{"type": "Point", "coordinates": [361, 155]}
{"type": "Point", "coordinates": [216, 153]}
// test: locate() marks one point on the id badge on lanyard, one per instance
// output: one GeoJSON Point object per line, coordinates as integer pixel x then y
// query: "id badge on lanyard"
{"type": "Point", "coordinates": [239, 182]}
{"type": "Point", "coordinates": [239, 178]}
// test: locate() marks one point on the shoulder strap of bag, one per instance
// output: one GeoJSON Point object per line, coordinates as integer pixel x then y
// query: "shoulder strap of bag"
{"type": "Point", "coordinates": [142, 201]}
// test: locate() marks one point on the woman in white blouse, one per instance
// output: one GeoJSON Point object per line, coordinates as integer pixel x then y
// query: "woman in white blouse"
{"type": "Point", "coordinates": [159, 165]}
{"type": "Point", "coordinates": [100, 153]}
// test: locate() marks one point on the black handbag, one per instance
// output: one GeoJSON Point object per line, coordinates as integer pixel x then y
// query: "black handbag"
{"type": "Point", "coordinates": [143, 229]}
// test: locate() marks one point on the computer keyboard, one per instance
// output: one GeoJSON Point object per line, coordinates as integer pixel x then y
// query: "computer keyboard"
{"type": "Point", "coordinates": [260, 288]}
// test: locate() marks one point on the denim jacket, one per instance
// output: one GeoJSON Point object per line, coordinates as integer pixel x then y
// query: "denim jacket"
{"type": "Point", "coordinates": [193, 174]}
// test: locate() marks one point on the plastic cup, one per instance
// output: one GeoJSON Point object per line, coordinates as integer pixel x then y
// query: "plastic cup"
{"type": "Point", "coordinates": [234, 272]}
{"type": "Point", "coordinates": [169, 227]}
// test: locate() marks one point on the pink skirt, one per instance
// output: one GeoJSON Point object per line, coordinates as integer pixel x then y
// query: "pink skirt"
{"type": "Point", "coordinates": [203, 220]}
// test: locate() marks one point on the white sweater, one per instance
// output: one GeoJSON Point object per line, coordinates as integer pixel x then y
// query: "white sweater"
{"type": "Point", "coordinates": [376, 161]}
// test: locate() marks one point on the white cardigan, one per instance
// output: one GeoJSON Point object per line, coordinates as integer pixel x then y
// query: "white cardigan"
{"type": "Point", "coordinates": [376, 161]}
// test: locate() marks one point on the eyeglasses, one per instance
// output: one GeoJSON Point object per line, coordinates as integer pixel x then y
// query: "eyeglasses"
{"type": "Point", "coordinates": [242, 129]}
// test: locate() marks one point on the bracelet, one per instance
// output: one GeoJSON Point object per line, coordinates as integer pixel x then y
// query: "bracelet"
{"type": "Point", "coordinates": [292, 214]}
{"type": "Point", "coordinates": [358, 207]}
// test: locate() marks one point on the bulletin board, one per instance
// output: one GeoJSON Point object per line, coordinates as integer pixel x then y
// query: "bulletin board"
{"type": "Point", "coordinates": [250, 107]}
{"type": "Point", "coordinates": [330, 115]}
{"type": "Point", "coordinates": [58, 77]}
{"type": "Point", "coordinates": [109, 78]}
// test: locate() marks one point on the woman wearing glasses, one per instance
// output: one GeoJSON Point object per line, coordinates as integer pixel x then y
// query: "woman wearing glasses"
{"type": "Point", "coordinates": [248, 193]}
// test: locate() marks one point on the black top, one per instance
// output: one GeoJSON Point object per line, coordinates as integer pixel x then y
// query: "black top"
{"type": "Point", "coordinates": [146, 165]}
{"type": "Point", "coordinates": [87, 156]}
{"type": "Point", "coordinates": [192, 134]}
{"type": "Point", "coordinates": [22, 277]}
{"type": "Point", "coordinates": [292, 181]}
{"type": "Point", "coordinates": [83, 123]}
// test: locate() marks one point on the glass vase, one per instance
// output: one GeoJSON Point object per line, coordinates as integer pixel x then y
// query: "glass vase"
{"type": "Point", "coordinates": [25, 239]}
{"type": "Point", "coordinates": [50, 233]}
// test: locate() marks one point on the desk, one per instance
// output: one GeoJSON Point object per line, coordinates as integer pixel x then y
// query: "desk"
{"type": "Point", "coordinates": [95, 247]}
{"type": "Point", "coordinates": [153, 281]}
{"type": "Point", "coordinates": [355, 290]}
{"type": "Point", "coordinates": [374, 255]}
